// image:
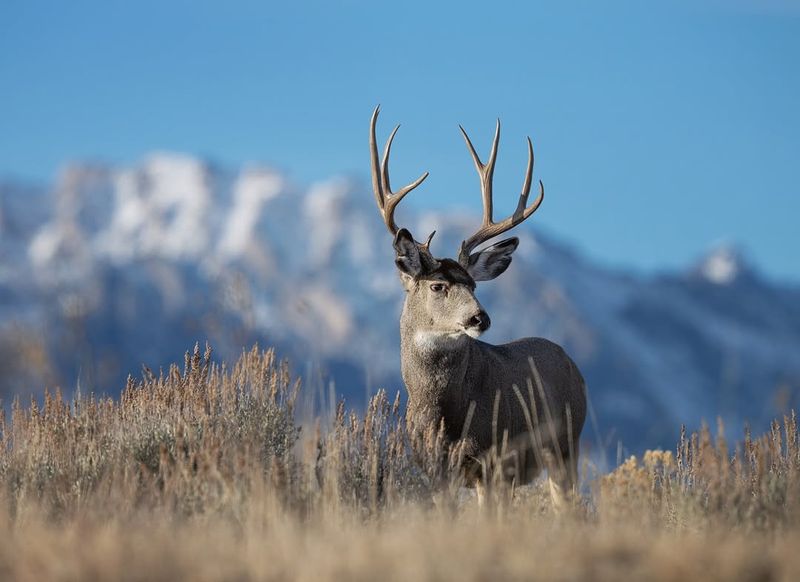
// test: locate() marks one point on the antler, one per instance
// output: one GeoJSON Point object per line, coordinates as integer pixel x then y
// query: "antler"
{"type": "Point", "coordinates": [386, 199]}
{"type": "Point", "coordinates": [489, 228]}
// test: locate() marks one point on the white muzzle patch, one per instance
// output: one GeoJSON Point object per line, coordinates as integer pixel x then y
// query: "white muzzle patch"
{"type": "Point", "coordinates": [473, 332]}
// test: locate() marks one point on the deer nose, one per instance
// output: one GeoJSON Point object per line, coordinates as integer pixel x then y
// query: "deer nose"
{"type": "Point", "coordinates": [480, 320]}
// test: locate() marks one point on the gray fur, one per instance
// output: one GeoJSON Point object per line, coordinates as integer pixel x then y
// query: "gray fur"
{"type": "Point", "coordinates": [445, 369]}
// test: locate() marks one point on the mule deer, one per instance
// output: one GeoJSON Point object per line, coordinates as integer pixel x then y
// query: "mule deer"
{"type": "Point", "coordinates": [527, 393]}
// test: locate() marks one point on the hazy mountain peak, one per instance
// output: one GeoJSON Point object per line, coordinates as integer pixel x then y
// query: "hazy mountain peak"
{"type": "Point", "coordinates": [723, 264]}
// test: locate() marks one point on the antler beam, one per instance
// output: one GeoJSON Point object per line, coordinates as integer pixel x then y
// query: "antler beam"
{"type": "Point", "coordinates": [490, 229]}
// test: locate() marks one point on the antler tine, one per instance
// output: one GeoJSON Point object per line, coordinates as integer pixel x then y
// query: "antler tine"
{"type": "Point", "coordinates": [490, 229]}
{"type": "Point", "coordinates": [377, 183]}
{"type": "Point", "coordinates": [385, 163]}
{"type": "Point", "coordinates": [485, 171]}
{"type": "Point", "coordinates": [385, 198]}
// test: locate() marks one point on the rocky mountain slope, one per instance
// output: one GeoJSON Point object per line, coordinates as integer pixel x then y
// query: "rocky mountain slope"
{"type": "Point", "coordinates": [113, 268]}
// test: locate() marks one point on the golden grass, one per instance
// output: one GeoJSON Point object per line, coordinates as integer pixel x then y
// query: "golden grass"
{"type": "Point", "coordinates": [204, 474]}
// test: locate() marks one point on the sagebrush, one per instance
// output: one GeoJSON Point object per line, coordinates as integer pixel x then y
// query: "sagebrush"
{"type": "Point", "coordinates": [206, 472]}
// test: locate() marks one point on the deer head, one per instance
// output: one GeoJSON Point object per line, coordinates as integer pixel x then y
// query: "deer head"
{"type": "Point", "coordinates": [441, 291]}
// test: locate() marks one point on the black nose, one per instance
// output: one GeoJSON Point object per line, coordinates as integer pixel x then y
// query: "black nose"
{"type": "Point", "coordinates": [480, 320]}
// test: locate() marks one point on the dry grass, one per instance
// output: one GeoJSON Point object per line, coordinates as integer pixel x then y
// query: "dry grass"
{"type": "Point", "coordinates": [204, 474]}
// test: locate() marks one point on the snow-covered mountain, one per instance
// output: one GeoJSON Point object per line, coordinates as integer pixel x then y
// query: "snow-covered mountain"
{"type": "Point", "coordinates": [114, 268]}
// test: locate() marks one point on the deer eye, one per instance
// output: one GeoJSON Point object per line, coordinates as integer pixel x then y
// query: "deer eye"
{"type": "Point", "coordinates": [438, 287]}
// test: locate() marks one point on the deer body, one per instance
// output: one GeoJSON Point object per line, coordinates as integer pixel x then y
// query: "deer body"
{"type": "Point", "coordinates": [445, 380]}
{"type": "Point", "coordinates": [526, 398]}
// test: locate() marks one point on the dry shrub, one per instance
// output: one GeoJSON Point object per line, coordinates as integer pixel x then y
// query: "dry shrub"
{"type": "Point", "coordinates": [204, 473]}
{"type": "Point", "coordinates": [189, 442]}
{"type": "Point", "coordinates": [200, 441]}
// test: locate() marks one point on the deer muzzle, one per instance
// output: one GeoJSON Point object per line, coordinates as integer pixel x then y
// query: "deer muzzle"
{"type": "Point", "coordinates": [479, 322]}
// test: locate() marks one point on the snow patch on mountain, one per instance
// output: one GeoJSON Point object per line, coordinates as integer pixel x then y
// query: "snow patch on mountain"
{"type": "Point", "coordinates": [252, 191]}
{"type": "Point", "coordinates": [722, 265]}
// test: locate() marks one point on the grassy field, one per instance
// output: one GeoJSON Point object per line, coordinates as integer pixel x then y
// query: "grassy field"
{"type": "Point", "coordinates": [204, 473]}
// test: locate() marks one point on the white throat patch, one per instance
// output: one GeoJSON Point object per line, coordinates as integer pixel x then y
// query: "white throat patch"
{"type": "Point", "coordinates": [428, 340]}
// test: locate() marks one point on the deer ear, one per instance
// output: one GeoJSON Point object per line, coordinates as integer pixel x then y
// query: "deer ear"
{"type": "Point", "coordinates": [408, 258]}
{"type": "Point", "coordinates": [492, 261]}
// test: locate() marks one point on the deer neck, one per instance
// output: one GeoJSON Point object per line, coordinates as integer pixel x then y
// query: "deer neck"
{"type": "Point", "coordinates": [434, 365]}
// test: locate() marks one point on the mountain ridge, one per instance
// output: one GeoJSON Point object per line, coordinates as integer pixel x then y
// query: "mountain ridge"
{"type": "Point", "coordinates": [131, 265]}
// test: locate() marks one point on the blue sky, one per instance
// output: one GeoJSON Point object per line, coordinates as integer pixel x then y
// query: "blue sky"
{"type": "Point", "coordinates": [659, 128]}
